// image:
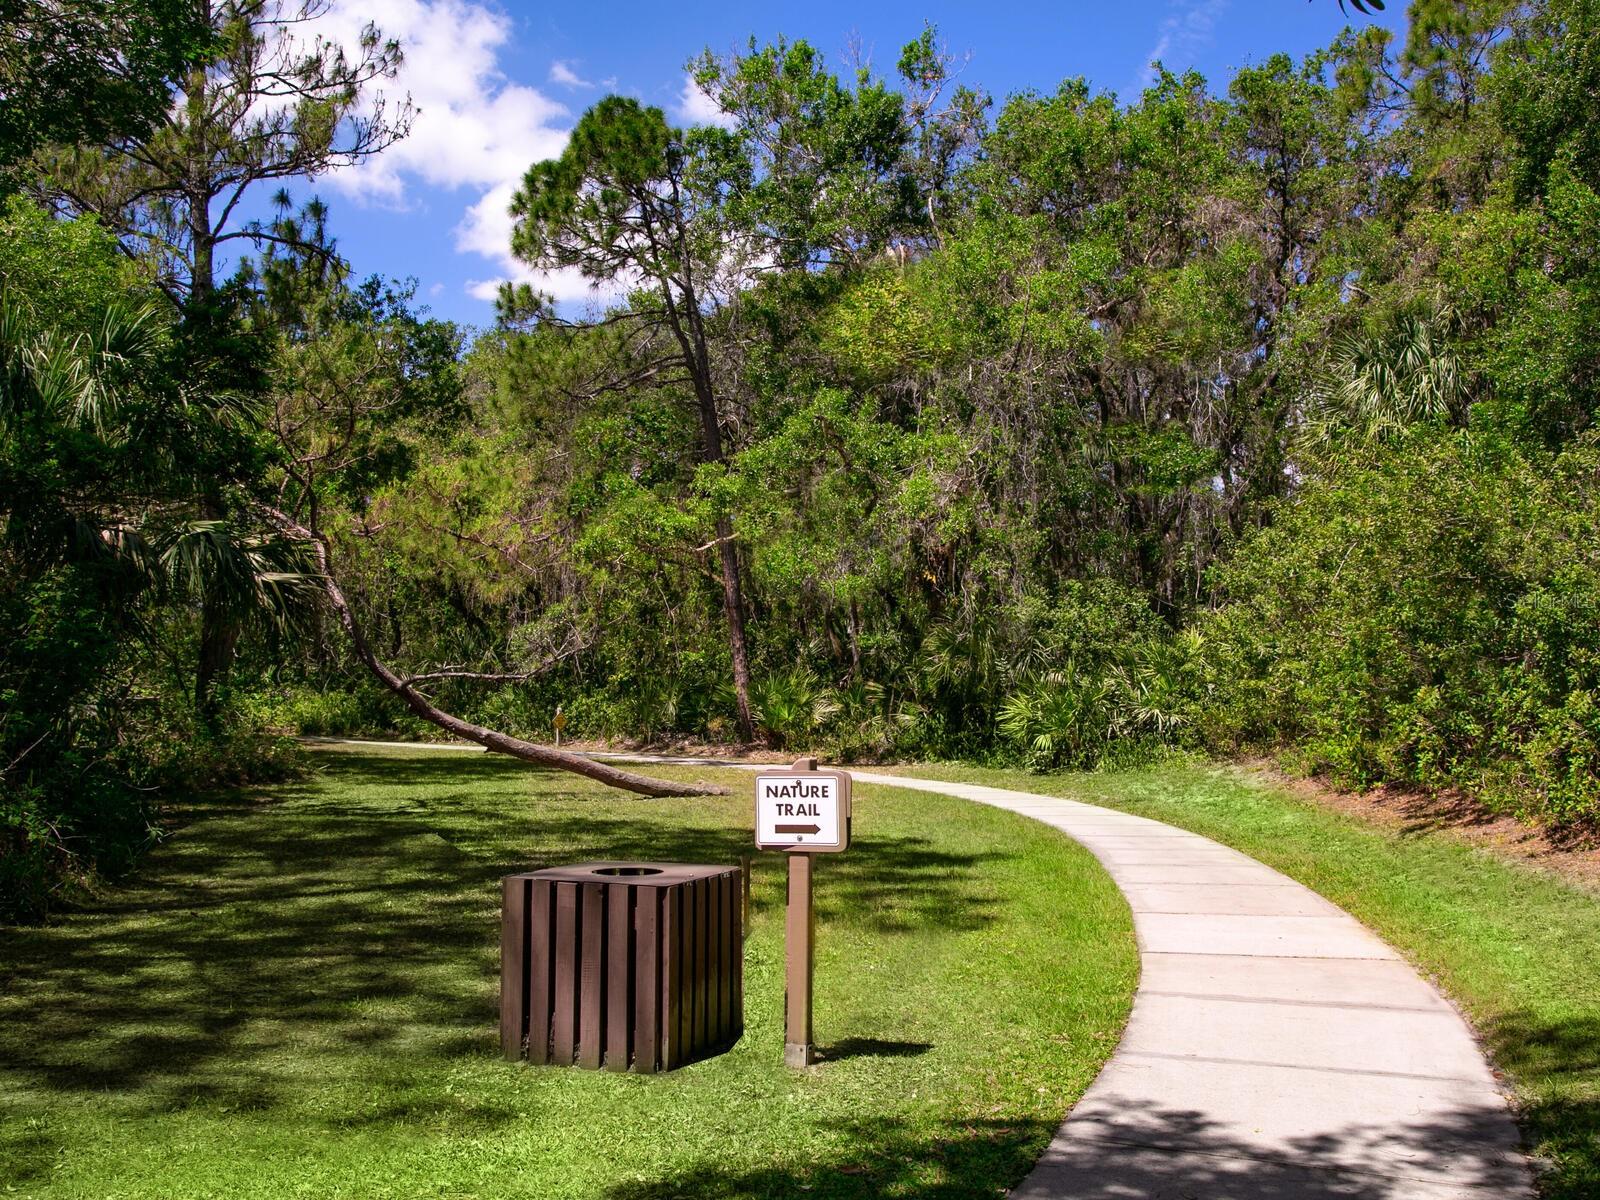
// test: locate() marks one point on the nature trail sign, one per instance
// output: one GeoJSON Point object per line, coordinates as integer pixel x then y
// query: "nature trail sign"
{"type": "Point", "coordinates": [804, 811]}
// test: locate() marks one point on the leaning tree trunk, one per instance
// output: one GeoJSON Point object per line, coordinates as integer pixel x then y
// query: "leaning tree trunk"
{"type": "Point", "coordinates": [490, 739]}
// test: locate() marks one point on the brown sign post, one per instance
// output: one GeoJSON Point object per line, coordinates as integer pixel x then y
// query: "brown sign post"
{"type": "Point", "coordinates": [803, 811]}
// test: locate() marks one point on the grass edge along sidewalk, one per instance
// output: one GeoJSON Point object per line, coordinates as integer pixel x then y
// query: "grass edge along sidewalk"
{"type": "Point", "coordinates": [1517, 948]}
{"type": "Point", "coordinates": [298, 997]}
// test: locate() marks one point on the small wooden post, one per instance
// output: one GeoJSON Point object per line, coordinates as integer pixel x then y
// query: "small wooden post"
{"type": "Point", "coordinates": [798, 1050]}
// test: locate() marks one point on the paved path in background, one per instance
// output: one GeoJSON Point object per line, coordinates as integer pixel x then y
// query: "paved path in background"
{"type": "Point", "coordinates": [1277, 1049]}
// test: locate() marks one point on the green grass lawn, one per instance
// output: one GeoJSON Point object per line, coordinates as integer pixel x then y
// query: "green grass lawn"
{"type": "Point", "coordinates": [298, 998]}
{"type": "Point", "coordinates": [1516, 947]}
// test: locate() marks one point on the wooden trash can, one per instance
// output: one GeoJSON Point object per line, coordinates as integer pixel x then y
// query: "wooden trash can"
{"type": "Point", "coordinates": [620, 965]}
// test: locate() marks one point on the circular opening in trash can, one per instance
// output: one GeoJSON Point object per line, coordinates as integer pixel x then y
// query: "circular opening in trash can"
{"type": "Point", "coordinates": [627, 870]}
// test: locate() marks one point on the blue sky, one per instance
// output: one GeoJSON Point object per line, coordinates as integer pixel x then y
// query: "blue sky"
{"type": "Point", "coordinates": [499, 82]}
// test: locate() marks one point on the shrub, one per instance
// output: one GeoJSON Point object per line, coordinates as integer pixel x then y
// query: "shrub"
{"type": "Point", "coordinates": [1063, 720]}
{"type": "Point", "coordinates": [1429, 618]}
{"type": "Point", "coordinates": [791, 706]}
{"type": "Point", "coordinates": [870, 722]}
{"type": "Point", "coordinates": [354, 710]}
{"type": "Point", "coordinates": [1124, 709]}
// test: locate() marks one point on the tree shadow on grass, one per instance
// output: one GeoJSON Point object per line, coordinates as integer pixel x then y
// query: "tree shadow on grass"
{"type": "Point", "coordinates": [1162, 1154]}
{"type": "Point", "coordinates": [275, 942]}
{"type": "Point", "coordinates": [889, 884]}
{"type": "Point", "coordinates": [1561, 1116]}
{"type": "Point", "coordinates": [886, 1158]}
{"type": "Point", "coordinates": [251, 941]}
{"type": "Point", "coordinates": [27, 1152]}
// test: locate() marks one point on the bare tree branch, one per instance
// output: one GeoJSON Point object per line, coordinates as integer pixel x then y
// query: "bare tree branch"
{"type": "Point", "coordinates": [501, 676]}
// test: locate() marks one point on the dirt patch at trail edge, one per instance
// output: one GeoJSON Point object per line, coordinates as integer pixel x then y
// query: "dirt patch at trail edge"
{"type": "Point", "coordinates": [1574, 859]}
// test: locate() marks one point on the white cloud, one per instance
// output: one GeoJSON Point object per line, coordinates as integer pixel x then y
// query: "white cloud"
{"type": "Point", "coordinates": [486, 230]}
{"type": "Point", "coordinates": [562, 71]}
{"type": "Point", "coordinates": [1181, 38]}
{"type": "Point", "coordinates": [475, 129]}
{"type": "Point", "coordinates": [567, 287]}
{"type": "Point", "coordinates": [695, 107]}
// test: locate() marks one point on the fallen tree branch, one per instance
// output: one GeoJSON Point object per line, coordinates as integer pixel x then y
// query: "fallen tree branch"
{"type": "Point", "coordinates": [489, 739]}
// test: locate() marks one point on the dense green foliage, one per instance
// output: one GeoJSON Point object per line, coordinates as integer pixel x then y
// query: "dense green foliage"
{"type": "Point", "coordinates": [137, 445]}
{"type": "Point", "coordinates": [83, 70]}
{"type": "Point", "coordinates": [109, 438]}
{"type": "Point", "coordinates": [1061, 431]}
{"type": "Point", "coordinates": [1429, 617]}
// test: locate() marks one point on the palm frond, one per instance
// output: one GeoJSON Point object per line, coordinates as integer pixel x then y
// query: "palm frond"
{"type": "Point", "coordinates": [82, 380]}
{"type": "Point", "coordinates": [1377, 385]}
{"type": "Point", "coordinates": [792, 704]}
{"type": "Point", "coordinates": [253, 577]}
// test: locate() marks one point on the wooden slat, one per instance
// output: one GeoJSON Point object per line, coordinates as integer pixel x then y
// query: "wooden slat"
{"type": "Point", "coordinates": [715, 937]}
{"type": "Point", "coordinates": [704, 975]}
{"type": "Point", "coordinates": [647, 980]}
{"type": "Point", "coordinates": [564, 1024]}
{"type": "Point", "coordinates": [591, 974]}
{"type": "Point", "coordinates": [695, 952]}
{"type": "Point", "coordinates": [672, 1048]}
{"type": "Point", "coordinates": [727, 946]}
{"type": "Point", "coordinates": [541, 970]}
{"type": "Point", "coordinates": [619, 974]}
{"type": "Point", "coordinates": [738, 961]}
{"type": "Point", "coordinates": [513, 966]}
{"type": "Point", "coordinates": [705, 1017]}
{"type": "Point", "coordinates": [686, 975]}
{"type": "Point", "coordinates": [735, 953]}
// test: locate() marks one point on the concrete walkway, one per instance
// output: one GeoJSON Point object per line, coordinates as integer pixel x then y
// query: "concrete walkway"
{"type": "Point", "coordinates": [1277, 1050]}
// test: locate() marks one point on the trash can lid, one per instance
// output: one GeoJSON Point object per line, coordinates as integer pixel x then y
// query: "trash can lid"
{"type": "Point", "coordinates": [640, 874]}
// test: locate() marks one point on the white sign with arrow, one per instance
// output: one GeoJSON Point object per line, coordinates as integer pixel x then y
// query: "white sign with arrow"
{"type": "Point", "coordinates": [806, 811]}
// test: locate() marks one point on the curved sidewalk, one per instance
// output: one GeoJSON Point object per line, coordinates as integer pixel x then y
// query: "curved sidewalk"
{"type": "Point", "coordinates": [1277, 1049]}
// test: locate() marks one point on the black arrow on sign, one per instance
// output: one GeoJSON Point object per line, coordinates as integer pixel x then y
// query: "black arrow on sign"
{"type": "Point", "coordinates": [797, 828]}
